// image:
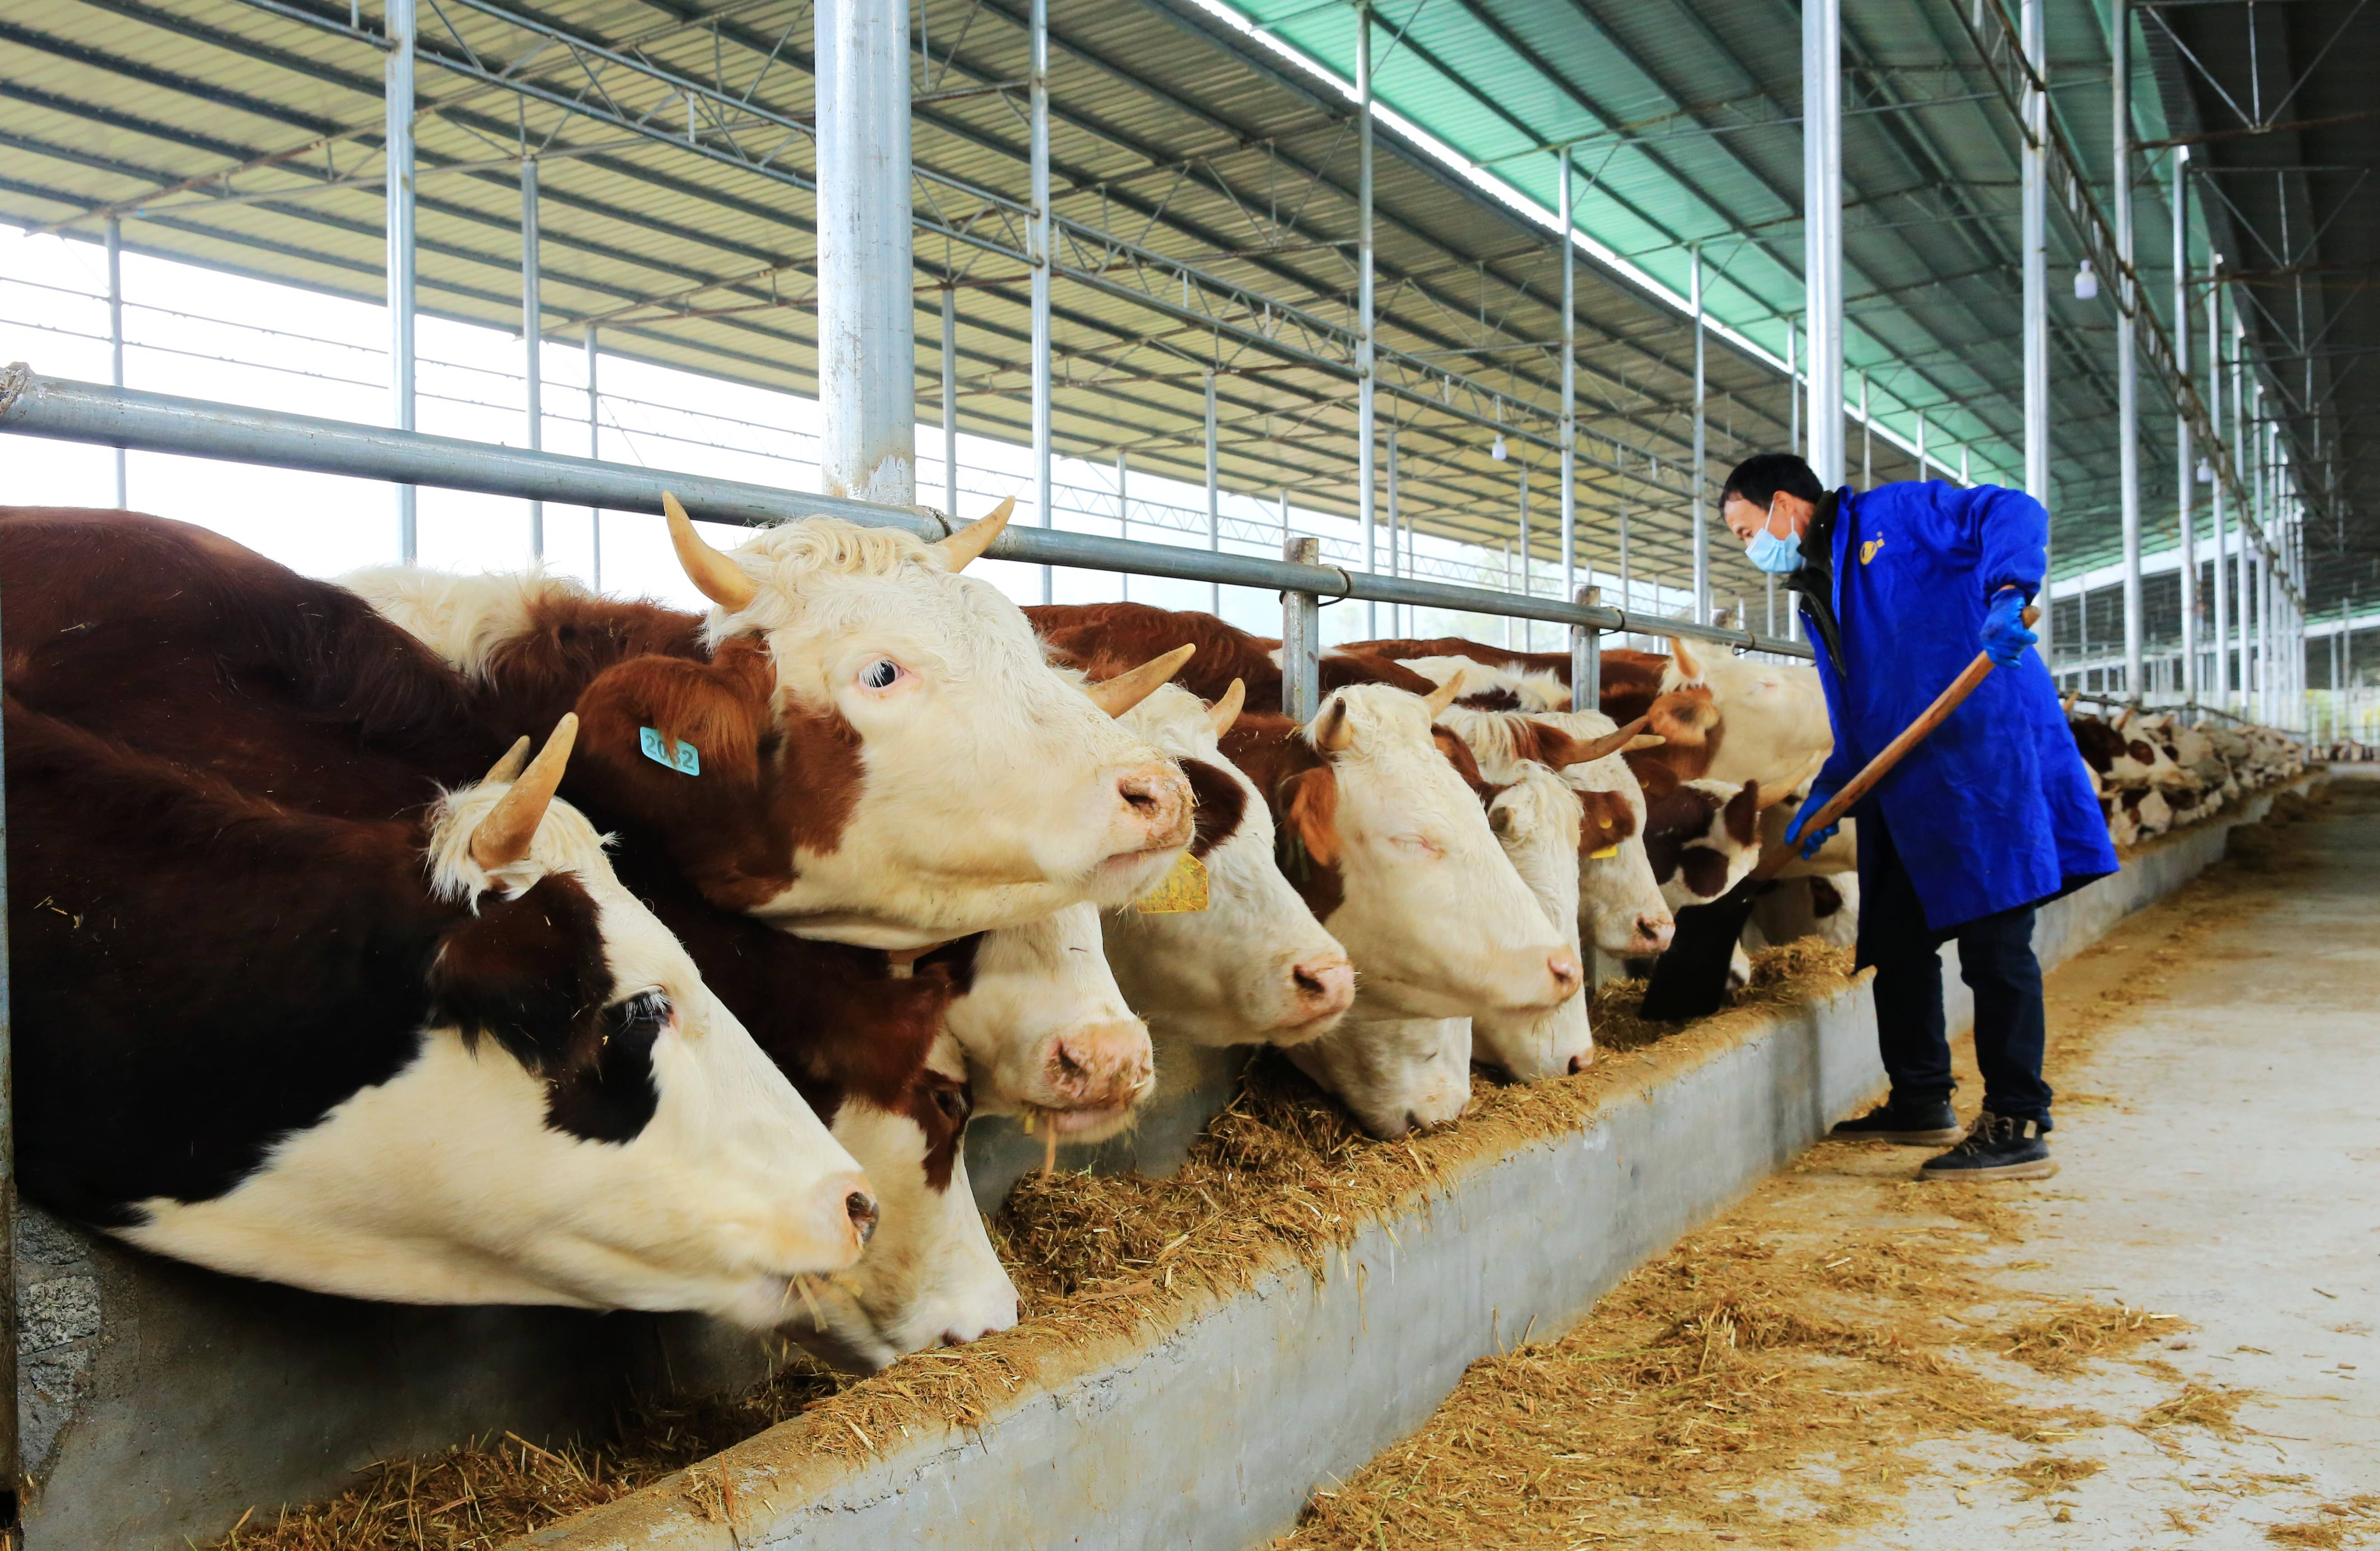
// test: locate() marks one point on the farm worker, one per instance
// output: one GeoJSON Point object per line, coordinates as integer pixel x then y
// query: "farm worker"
{"type": "Point", "coordinates": [1988, 818]}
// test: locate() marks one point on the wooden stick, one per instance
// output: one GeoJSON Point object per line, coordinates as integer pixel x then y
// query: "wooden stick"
{"type": "Point", "coordinates": [1880, 767]}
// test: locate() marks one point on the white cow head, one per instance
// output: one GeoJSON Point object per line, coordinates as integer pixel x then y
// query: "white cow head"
{"type": "Point", "coordinates": [1254, 966]}
{"type": "Point", "coordinates": [930, 1277]}
{"type": "Point", "coordinates": [1400, 864]}
{"type": "Point", "coordinates": [1047, 1033]}
{"type": "Point", "coordinates": [1774, 713]}
{"type": "Point", "coordinates": [1620, 903]}
{"type": "Point", "coordinates": [1535, 818]}
{"type": "Point", "coordinates": [1394, 1075]}
{"type": "Point", "coordinates": [884, 757]}
{"type": "Point", "coordinates": [669, 1165]}
{"type": "Point", "coordinates": [986, 789]}
{"type": "Point", "coordinates": [1702, 837]}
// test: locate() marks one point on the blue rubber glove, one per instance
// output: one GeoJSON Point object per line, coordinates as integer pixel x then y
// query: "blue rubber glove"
{"type": "Point", "coordinates": [1818, 798]}
{"type": "Point", "coordinates": [2004, 635]}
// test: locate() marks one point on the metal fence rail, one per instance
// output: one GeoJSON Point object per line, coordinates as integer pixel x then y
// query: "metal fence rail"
{"type": "Point", "coordinates": [64, 410]}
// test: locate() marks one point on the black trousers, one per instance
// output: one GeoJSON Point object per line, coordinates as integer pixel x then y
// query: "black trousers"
{"type": "Point", "coordinates": [1994, 959]}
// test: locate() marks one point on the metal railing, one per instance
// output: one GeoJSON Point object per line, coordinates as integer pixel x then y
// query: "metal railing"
{"type": "Point", "coordinates": [64, 410]}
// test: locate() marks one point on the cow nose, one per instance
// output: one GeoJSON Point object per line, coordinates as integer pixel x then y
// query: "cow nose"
{"type": "Point", "coordinates": [1159, 798]}
{"type": "Point", "coordinates": [860, 1208]}
{"type": "Point", "coordinates": [1657, 930]}
{"type": "Point", "coordinates": [1580, 1062]}
{"type": "Point", "coordinates": [1100, 1065]}
{"type": "Point", "coordinates": [1324, 986]}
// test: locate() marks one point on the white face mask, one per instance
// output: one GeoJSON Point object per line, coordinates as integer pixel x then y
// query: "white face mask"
{"type": "Point", "coordinates": [1778, 556]}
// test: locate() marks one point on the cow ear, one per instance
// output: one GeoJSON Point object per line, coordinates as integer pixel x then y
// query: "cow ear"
{"type": "Point", "coordinates": [1313, 813]}
{"type": "Point", "coordinates": [1743, 814]}
{"type": "Point", "coordinates": [719, 708]}
{"type": "Point", "coordinates": [1685, 720]}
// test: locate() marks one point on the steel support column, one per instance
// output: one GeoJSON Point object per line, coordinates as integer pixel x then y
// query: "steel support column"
{"type": "Point", "coordinates": [1697, 478]}
{"type": "Point", "coordinates": [1041, 257]}
{"type": "Point", "coordinates": [396, 152]}
{"type": "Point", "coordinates": [115, 339]}
{"type": "Point", "coordinates": [1214, 499]}
{"type": "Point", "coordinates": [1399, 617]}
{"type": "Point", "coordinates": [2128, 377]}
{"type": "Point", "coordinates": [1569, 432]}
{"type": "Point", "coordinates": [1867, 440]}
{"type": "Point", "coordinates": [950, 401]}
{"type": "Point", "coordinates": [868, 393]}
{"type": "Point", "coordinates": [532, 338]}
{"type": "Point", "coordinates": [2248, 497]}
{"type": "Point", "coordinates": [1366, 426]}
{"type": "Point", "coordinates": [1529, 636]}
{"type": "Point", "coordinates": [2185, 469]}
{"type": "Point", "coordinates": [1822, 229]}
{"type": "Point", "coordinates": [2034, 251]}
{"type": "Point", "coordinates": [1301, 637]}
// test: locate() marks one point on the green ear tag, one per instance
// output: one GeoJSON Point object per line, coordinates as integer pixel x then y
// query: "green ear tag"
{"type": "Point", "coordinates": [657, 748]}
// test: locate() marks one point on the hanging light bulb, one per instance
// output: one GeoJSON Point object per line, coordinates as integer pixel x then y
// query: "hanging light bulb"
{"type": "Point", "coordinates": [2206, 472]}
{"type": "Point", "coordinates": [2086, 283]}
{"type": "Point", "coordinates": [1499, 452]}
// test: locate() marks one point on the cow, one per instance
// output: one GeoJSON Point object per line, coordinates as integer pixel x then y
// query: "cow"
{"type": "Point", "coordinates": [1385, 841]}
{"type": "Point", "coordinates": [1704, 838]}
{"type": "Point", "coordinates": [881, 756]}
{"type": "Point", "coordinates": [441, 1057]}
{"type": "Point", "coordinates": [1395, 1075]}
{"type": "Point", "coordinates": [1537, 818]}
{"type": "Point", "coordinates": [1047, 1031]}
{"type": "Point", "coordinates": [1620, 903]}
{"type": "Point", "coordinates": [1250, 965]}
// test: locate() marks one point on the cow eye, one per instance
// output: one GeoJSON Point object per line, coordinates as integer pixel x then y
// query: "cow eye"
{"type": "Point", "coordinates": [879, 675]}
{"type": "Point", "coordinates": [1420, 844]}
{"type": "Point", "coordinates": [953, 1103]}
{"type": "Point", "coordinates": [649, 1011]}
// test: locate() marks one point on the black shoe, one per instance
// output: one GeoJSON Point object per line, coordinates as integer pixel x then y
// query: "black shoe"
{"type": "Point", "coordinates": [1921, 1123]}
{"type": "Point", "coordinates": [1996, 1148]}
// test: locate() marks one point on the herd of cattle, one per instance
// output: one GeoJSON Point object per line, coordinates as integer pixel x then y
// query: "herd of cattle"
{"type": "Point", "coordinates": [321, 978]}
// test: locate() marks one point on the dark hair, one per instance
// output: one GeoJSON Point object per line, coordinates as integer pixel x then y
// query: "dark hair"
{"type": "Point", "coordinates": [1758, 479]}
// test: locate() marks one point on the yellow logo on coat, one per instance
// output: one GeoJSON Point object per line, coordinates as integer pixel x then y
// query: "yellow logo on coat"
{"type": "Point", "coordinates": [1867, 550]}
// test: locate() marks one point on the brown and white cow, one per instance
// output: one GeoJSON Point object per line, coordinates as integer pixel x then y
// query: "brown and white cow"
{"type": "Point", "coordinates": [1252, 965]}
{"type": "Point", "coordinates": [439, 1058]}
{"type": "Point", "coordinates": [885, 757]}
{"type": "Point", "coordinates": [1620, 905]}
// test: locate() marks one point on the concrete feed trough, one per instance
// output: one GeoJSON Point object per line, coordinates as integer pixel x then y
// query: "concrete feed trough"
{"type": "Point", "coordinates": [1212, 1429]}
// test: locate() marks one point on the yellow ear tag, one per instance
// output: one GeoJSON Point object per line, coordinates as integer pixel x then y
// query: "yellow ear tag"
{"type": "Point", "coordinates": [1183, 890]}
{"type": "Point", "coordinates": [1606, 854]}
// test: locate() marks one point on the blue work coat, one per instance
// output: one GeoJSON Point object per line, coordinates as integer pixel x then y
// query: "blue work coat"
{"type": "Point", "coordinates": [1995, 810]}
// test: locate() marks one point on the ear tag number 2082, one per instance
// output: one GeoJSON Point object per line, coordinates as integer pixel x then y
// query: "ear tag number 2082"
{"type": "Point", "coordinates": [657, 748]}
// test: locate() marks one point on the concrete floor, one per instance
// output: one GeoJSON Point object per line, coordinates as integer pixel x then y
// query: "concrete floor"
{"type": "Point", "coordinates": [2220, 1146]}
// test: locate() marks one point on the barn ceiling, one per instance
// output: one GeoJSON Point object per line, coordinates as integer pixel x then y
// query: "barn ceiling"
{"type": "Point", "coordinates": [1204, 163]}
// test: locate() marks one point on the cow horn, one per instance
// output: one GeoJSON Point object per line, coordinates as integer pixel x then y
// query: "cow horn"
{"type": "Point", "coordinates": [1649, 740]}
{"type": "Point", "coordinates": [509, 767]}
{"type": "Point", "coordinates": [1333, 733]}
{"type": "Point", "coordinates": [1443, 696]}
{"type": "Point", "coordinates": [2072, 696]}
{"type": "Point", "coordinates": [503, 837]}
{"type": "Point", "coordinates": [970, 541]}
{"type": "Point", "coordinates": [1226, 711]}
{"type": "Point", "coordinates": [1125, 691]}
{"type": "Point", "coordinates": [1611, 742]}
{"type": "Point", "coordinates": [712, 573]}
{"type": "Point", "coordinates": [1689, 670]}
